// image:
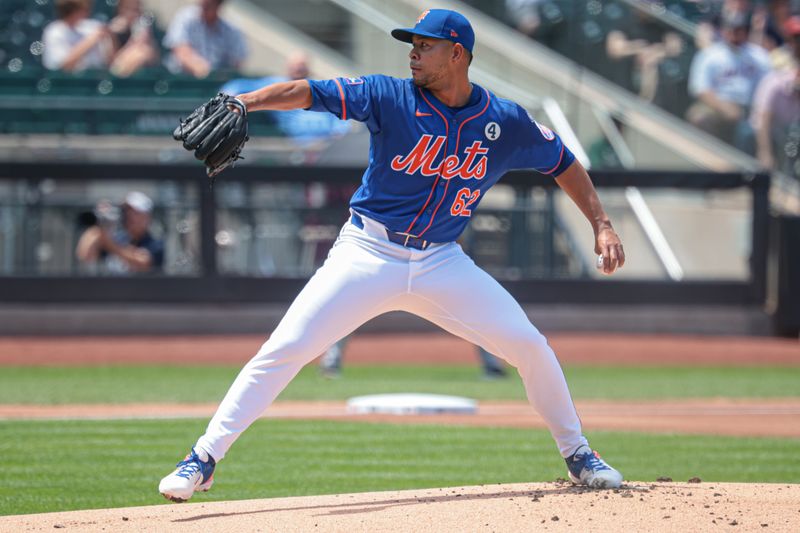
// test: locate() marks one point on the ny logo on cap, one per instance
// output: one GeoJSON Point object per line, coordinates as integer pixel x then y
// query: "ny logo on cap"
{"type": "Point", "coordinates": [423, 15]}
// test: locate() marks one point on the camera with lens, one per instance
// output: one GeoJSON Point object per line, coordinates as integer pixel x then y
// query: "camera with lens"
{"type": "Point", "coordinates": [104, 214]}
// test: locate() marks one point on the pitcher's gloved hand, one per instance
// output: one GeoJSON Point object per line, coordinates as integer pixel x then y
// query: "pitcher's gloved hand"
{"type": "Point", "coordinates": [216, 132]}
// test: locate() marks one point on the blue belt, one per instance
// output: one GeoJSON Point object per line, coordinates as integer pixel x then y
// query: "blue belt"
{"type": "Point", "coordinates": [403, 239]}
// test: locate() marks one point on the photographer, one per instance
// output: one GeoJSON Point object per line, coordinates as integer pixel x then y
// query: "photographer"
{"type": "Point", "coordinates": [119, 241]}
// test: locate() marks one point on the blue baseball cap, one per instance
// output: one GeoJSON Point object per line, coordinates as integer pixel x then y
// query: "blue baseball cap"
{"type": "Point", "coordinates": [440, 24]}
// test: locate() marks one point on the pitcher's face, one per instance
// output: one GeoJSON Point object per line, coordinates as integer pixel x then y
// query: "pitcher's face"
{"type": "Point", "coordinates": [430, 60]}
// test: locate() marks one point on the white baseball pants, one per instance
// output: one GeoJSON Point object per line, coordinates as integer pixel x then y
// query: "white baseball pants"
{"type": "Point", "coordinates": [364, 276]}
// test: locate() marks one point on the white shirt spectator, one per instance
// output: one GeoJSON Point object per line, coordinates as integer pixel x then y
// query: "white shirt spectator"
{"type": "Point", "coordinates": [731, 73]}
{"type": "Point", "coordinates": [222, 45]}
{"type": "Point", "coordinates": [59, 39]}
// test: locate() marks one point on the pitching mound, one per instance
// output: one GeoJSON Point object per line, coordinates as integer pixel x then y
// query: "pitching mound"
{"type": "Point", "coordinates": [519, 507]}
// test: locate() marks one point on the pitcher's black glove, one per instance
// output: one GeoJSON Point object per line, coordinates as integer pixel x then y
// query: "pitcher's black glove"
{"type": "Point", "coordinates": [216, 132]}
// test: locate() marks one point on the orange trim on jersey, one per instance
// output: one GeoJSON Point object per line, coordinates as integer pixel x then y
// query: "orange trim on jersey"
{"type": "Point", "coordinates": [476, 115]}
{"type": "Point", "coordinates": [436, 181]}
{"type": "Point", "coordinates": [560, 157]}
{"type": "Point", "coordinates": [458, 139]}
{"type": "Point", "coordinates": [341, 94]}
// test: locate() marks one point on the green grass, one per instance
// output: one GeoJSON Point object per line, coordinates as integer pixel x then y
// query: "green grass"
{"type": "Point", "coordinates": [123, 384]}
{"type": "Point", "coordinates": [63, 465]}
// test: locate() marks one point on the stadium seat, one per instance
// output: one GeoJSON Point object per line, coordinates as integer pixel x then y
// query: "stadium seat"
{"type": "Point", "coordinates": [20, 83]}
{"type": "Point", "coordinates": [189, 87]}
{"type": "Point", "coordinates": [22, 74]}
{"type": "Point", "coordinates": [67, 84]}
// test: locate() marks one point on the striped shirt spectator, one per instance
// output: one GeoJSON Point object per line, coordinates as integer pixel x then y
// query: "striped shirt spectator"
{"type": "Point", "coordinates": [202, 42]}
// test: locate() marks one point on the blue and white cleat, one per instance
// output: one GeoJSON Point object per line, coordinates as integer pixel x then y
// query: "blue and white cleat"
{"type": "Point", "coordinates": [195, 472]}
{"type": "Point", "coordinates": [585, 467]}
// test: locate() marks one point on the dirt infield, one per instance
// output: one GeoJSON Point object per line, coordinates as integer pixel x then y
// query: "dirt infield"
{"type": "Point", "coordinates": [720, 416]}
{"type": "Point", "coordinates": [430, 349]}
{"type": "Point", "coordinates": [517, 507]}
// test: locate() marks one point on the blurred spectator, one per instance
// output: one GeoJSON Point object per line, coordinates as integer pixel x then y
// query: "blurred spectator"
{"type": "Point", "coordinates": [776, 110]}
{"type": "Point", "coordinates": [298, 124]}
{"type": "Point", "coordinates": [74, 42]}
{"type": "Point", "coordinates": [133, 39]}
{"type": "Point", "coordinates": [767, 20]}
{"type": "Point", "coordinates": [638, 47]}
{"type": "Point", "coordinates": [722, 79]}
{"type": "Point", "coordinates": [202, 42]}
{"type": "Point", "coordinates": [525, 15]}
{"type": "Point", "coordinates": [776, 41]}
{"type": "Point", "coordinates": [709, 31]}
{"type": "Point", "coordinates": [118, 240]}
{"type": "Point", "coordinates": [550, 23]}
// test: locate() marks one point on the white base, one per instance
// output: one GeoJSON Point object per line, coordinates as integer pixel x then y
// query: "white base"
{"type": "Point", "coordinates": [411, 404]}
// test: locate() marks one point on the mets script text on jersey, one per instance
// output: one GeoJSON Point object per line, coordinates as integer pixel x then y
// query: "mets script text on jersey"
{"type": "Point", "coordinates": [423, 155]}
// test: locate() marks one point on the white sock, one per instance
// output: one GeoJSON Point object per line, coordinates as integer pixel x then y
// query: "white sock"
{"type": "Point", "coordinates": [201, 453]}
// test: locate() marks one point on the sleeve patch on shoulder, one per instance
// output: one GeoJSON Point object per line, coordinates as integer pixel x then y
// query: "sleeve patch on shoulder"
{"type": "Point", "coordinates": [354, 81]}
{"type": "Point", "coordinates": [547, 133]}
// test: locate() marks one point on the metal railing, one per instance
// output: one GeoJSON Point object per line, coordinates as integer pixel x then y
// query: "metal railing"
{"type": "Point", "coordinates": [212, 285]}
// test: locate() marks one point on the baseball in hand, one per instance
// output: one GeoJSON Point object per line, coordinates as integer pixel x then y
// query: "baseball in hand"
{"type": "Point", "coordinates": [599, 265]}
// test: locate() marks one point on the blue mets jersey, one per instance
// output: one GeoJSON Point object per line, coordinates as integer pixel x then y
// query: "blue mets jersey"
{"type": "Point", "coordinates": [430, 164]}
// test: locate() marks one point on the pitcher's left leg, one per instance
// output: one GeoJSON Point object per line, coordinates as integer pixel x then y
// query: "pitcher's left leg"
{"type": "Point", "coordinates": [448, 289]}
{"type": "Point", "coordinates": [452, 292]}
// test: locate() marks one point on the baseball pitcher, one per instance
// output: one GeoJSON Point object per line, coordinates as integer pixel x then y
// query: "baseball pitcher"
{"type": "Point", "coordinates": [438, 143]}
